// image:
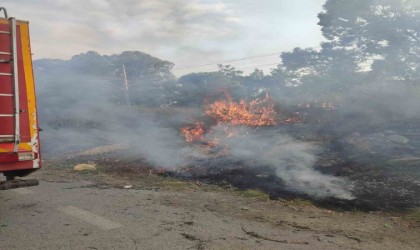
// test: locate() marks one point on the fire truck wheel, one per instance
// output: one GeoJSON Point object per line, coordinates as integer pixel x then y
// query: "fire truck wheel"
{"type": "Point", "coordinates": [10, 177]}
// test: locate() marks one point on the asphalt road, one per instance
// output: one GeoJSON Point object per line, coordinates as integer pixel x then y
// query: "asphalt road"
{"type": "Point", "coordinates": [76, 215]}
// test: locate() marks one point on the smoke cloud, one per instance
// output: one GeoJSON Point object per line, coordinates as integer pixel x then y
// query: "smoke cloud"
{"type": "Point", "coordinates": [293, 161]}
{"type": "Point", "coordinates": [357, 98]}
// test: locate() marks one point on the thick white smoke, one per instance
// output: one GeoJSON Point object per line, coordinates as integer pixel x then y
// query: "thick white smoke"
{"type": "Point", "coordinates": [293, 161]}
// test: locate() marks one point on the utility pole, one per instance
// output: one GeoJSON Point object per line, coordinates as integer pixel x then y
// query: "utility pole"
{"type": "Point", "coordinates": [126, 91]}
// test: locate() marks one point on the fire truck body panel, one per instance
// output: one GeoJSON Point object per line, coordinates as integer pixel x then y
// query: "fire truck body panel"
{"type": "Point", "coordinates": [19, 131]}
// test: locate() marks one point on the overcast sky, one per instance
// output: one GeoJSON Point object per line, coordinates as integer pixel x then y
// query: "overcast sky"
{"type": "Point", "coordinates": [186, 32]}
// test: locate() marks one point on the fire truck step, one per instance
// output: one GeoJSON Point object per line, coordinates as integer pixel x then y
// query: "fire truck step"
{"type": "Point", "coordinates": [6, 115]}
{"type": "Point", "coordinates": [5, 74]}
{"type": "Point", "coordinates": [4, 185]}
{"type": "Point", "coordinates": [5, 32]}
{"type": "Point", "coordinates": [7, 138]}
{"type": "Point", "coordinates": [5, 53]}
{"type": "Point", "coordinates": [6, 94]}
{"type": "Point", "coordinates": [5, 61]}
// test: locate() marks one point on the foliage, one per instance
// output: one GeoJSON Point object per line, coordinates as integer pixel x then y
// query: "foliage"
{"type": "Point", "coordinates": [90, 74]}
{"type": "Point", "coordinates": [367, 42]}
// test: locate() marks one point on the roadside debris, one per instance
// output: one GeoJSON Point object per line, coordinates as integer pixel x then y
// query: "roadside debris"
{"type": "Point", "coordinates": [84, 167]}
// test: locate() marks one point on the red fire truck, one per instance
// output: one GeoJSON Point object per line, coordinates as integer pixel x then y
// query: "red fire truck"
{"type": "Point", "coordinates": [19, 131]}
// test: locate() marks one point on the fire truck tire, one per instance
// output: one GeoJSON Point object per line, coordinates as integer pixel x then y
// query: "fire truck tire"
{"type": "Point", "coordinates": [10, 177]}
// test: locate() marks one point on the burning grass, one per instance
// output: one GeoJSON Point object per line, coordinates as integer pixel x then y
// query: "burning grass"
{"type": "Point", "coordinates": [194, 132]}
{"type": "Point", "coordinates": [235, 133]}
{"type": "Point", "coordinates": [258, 112]}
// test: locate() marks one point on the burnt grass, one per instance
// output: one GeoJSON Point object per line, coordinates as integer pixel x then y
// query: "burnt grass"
{"type": "Point", "coordinates": [376, 188]}
{"type": "Point", "coordinates": [374, 191]}
{"type": "Point", "coordinates": [378, 185]}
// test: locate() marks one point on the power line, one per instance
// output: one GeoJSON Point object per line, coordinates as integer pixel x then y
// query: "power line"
{"type": "Point", "coordinates": [225, 61]}
{"type": "Point", "coordinates": [253, 66]}
{"type": "Point", "coordinates": [238, 68]}
{"type": "Point", "coordinates": [256, 66]}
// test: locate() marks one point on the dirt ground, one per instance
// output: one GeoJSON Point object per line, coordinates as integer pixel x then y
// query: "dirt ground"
{"type": "Point", "coordinates": [227, 218]}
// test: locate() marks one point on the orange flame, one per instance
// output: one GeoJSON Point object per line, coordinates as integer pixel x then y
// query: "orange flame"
{"type": "Point", "coordinates": [194, 132]}
{"type": "Point", "coordinates": [258, 112]}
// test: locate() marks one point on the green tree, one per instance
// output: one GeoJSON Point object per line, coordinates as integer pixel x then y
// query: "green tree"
{"type": "Point", "coordinates": [150, 79]}
{"type": "Point", "coordinates": [385, 32]}
{"type": "Point", "coordinates": [367, 41]}
{"type": "Point", "coordinates": [256, 75]}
